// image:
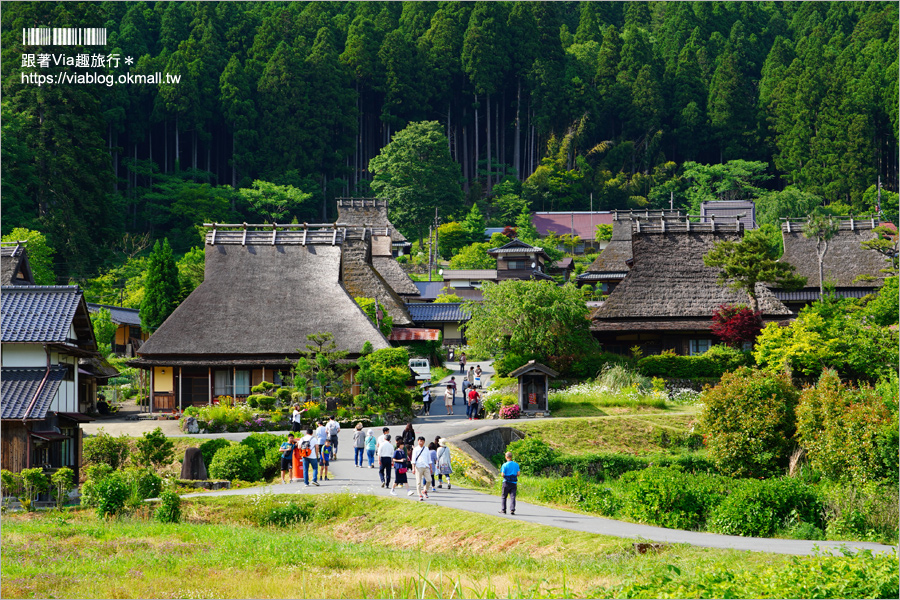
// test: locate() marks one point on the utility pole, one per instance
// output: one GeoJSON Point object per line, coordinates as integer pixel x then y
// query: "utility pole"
{"type": "Point", "coordinates": [430, 249]}
{"type": "Point", "coordinates": [671, 200]}
{"type": "Point", "coordinates": [433, 252]}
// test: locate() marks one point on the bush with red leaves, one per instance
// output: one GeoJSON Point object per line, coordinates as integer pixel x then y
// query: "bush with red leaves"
{"type": "Point", "coordinates": [736, 324]}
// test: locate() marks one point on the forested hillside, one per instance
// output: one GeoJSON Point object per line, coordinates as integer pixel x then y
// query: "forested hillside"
{"type": "Point", "coordinates": [566, 103]}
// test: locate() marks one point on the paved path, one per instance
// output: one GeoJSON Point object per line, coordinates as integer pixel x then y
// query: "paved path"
{"type": "Point", "coordinates": [348, 478]}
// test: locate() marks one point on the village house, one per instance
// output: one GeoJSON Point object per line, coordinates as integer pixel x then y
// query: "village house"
{"type": "Point", "coordinates": [50, 373]}
{"type": "Point", "coordinates": [129, 335]}
{"type": "Point", "coordinates": [447, 318]}
{"type": "Point", "coordinates": [266, 287]}
{"type": "Point", "coordinates": [14, 266]}
{"type": "Point", "coordinates": [668, 298]}
{"type": "Point", "coordinates": [745, 210]}
{"type": "Point", "coordinates": [853, 270]}
{"type": "Point", "coordinates": [577, 223]}
{"type": "Point", "coordinates": [518, 260]}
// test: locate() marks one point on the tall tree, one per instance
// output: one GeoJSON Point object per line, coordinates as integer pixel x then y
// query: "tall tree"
{"type": "Point", "coordinates": [415, 172]}
{"type": "Point", "coordinates": [161, 289]}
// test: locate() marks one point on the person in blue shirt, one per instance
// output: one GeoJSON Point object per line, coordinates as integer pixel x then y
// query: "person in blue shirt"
{"type": "Point", "coordinates": [510, 472]}
{"type": "Point", "coordinates": [326, 458]}
{"type": "Point", "coordinates": [287, 458]}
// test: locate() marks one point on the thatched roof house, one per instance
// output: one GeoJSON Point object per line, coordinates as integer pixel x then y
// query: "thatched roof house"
{"type": "Point", "coordinates": [845, 260]}
{"type": "Point", "coordinates": [668, 298]}
{"type": "Point", "coordinates": [371, 212]}
{"type": "Point", "coordinates": [612, 265]}
{"type": "Point", "coordinates": [362, 280]}
{"type": "Point", "coordinates": [265, 289]}
{"type": "Point", "coordinates": [14, 266]}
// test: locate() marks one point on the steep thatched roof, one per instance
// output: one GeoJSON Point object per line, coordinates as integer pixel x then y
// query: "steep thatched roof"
{"type": "Point", "coordinates": [263, 300]}
{"type": "Point", "coordinates": [362, 280]}
{"type": "Point", "coordinates": [14, 266]}
{"type": "Point", "coordinates": [394, 275]}
{"type": "Point", "coordinates": [670, 283]}
{"type": "Point", "coordinates": [617, 253]}
{"type": "Point", "coordinates": [367, 212]}
{"type": "Point", "coordinates": [845, 258]}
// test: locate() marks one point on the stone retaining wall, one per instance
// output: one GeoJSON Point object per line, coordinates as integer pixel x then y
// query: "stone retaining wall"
{"type": "Point", "coordinates": [484, 443]}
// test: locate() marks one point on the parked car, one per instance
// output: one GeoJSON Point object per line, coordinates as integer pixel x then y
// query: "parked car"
{"type": "Point", "coordinates": [422, 368]}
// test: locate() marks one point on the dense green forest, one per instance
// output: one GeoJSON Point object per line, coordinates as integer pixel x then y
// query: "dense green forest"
{"type": "Point", "coordinates": [561, 105]}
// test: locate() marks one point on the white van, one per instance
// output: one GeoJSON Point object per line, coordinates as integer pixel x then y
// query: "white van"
{"type": "Point", "coordinates": [422, 368]}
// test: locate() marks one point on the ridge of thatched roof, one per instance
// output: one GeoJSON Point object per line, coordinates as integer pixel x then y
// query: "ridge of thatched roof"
{"type": "Point", "coordinates": [264, 300]}
{"type": "Point", "coordinates": [367, 212]}
{"type": "Point", "coordinates": [361, 280]}
{"type": "Point", "coordinates": [845, 258]}
{"type": "Point", "coordinates": [15, 269]}
{"type": "Point", "coordinates": [670, 281]}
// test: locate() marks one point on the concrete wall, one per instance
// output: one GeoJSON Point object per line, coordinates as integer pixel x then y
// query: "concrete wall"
{"type": "Point", "coordinates": [483, 443]}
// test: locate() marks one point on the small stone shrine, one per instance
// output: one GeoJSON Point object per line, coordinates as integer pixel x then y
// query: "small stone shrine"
{"type": "Point", "coordinates": [534, 387]}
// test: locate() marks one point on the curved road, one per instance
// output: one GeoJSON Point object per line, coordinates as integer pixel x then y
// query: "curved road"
{"type": "Point", "coordinates": [348, 478]}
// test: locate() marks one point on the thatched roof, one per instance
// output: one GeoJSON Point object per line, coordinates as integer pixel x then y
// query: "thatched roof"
{"type": "Point", "coordinates": [14, 266]}
{"type": "Point", "coordinates": [669, 282]}
{"type": "Point", "coordinates": [367, 212]}
{"type": "Point", "coordinates": [845, 258]}
{"type": "Point", "coordinates": [617, 253]}
{"type": "Point", "coordinates": [394, 275]}
{"type": "Point", "coordinates": [361, 280]}
{"type": "Point", "coordinates": [264, 300]}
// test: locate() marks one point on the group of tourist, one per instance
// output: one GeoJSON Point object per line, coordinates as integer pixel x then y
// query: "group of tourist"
{"type": "Point", "coordinates": [317, 448]}
{"type": "Point", "coordinates": [398, 456]}
{"type": "Point", "coordinates": [471, 398]}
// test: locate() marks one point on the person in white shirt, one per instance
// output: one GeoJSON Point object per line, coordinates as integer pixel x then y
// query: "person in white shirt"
{"type": "Point", "coordinates": [320, 436]}
{"type": "Point", "coordinates": [421, 460]}
{"type": "Point", "coordinates": [333, 428]}
{"type": "Point", "coordinates": [386, 460]}
{"type": "Point", "coordinates": [311, 461]}
{"type": "Point", "coordinates": [295, 419]}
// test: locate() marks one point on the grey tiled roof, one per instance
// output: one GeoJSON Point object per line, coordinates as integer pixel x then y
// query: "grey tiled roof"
{"type": "Point", "coordinates": [19, 386]}
{"type": "Point", "coordinates": [432, 313]}
{"type": "Point", "coordinates": [38, 313]}
{"type": "Point", "coordinates": [118, 314]}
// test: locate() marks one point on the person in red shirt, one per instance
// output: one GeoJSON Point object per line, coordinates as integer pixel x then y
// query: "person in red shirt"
{"type": "Point", "coordinates": [472, 408]}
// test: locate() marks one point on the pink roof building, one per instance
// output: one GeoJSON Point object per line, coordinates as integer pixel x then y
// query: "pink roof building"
{"type": "Point", "coordinates": [581, 223]}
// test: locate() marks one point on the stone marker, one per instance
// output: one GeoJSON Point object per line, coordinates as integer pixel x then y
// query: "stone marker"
{"type": "Point", "coordinates": [190, 425]}
{"type": "Point", "coordinates": [193, 467]}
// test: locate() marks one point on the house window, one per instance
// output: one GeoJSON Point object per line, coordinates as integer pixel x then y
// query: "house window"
{"type": "Point", "coordinates": [224, 383]}
{"type": "Point", "coordinates": [242, 383]}
{"type": "Point", "coordinates": [699, 346]}
{"type": "Point", "coordinates": [134, 332]}
{"type": "Point", "coordinates": [515, 265]}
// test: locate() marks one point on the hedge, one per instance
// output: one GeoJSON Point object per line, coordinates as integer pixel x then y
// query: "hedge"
{"type": "Point", "coordinates": [713, 364]}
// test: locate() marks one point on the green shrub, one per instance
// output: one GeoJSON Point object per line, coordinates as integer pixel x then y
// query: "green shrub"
{"type": "Point", "coordinates": [263, 401]}
{"type": "Point", "coordinates": [93, 475]}
{"type": "Point", "coordinates": [169, 509]}
{"type": "Point", "coordinates": [582, 493]}
{"type": "Point", "coordinates": [261, 442]}
{"type": "Point", "coordinates": [33, 483]}
{"type": "Point", "coordinates": [143, 483]}
{"type": "Point", "coordinates": [669, 498]}
{"type": "Point", "coordinates": [862, 512]}
{"type": "Point", "coordinates": [532, 455]}
{"type": "Point", "coordinates": [718, 360]}
{"type": "Point", "coordinates": [209, 448]}
{"type": "Point", "coordinates": [510, 361]}
{"type": "Point", "coordinates": [235, 462]}
{"type": "Point", "coordinates": [749, 421]}
{"type": "Point", "coordinates": [591, 364]}
{"type": "Point", "coordinates": [264, 387]}
{"type": "Point", "coordinates": [762, 508]}
{"type": "Point", "coordinates": [104, 448]}
{"type": "Point", "coordinates": [10, 484]}
{"type": "Point", "coordinates": [111, 492]}
{"type": "Point", "coordinates": [251, 402]}
{"type": "Point", "coordinates": [270, 463]}
{"type": "Point", "coordinates": [284, 396]}
{"type": "Point", "coordinates": [155, 449]}
{"type": "Point", "coordinates": [285, 515]}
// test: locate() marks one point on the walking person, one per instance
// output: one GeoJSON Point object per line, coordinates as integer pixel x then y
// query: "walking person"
{"type": "Point", "coordinates": [325, 459]}
{"type": "Point", "coordinates": [510, 472]}
{"type": "Point", "coordinates": [371, 443]}
{"type": "Point", "coordinates": [462, 363]}
{"type": "Point", "coordinates": [287, 457]}
{"type": "Point", "coordinates": [472, 411]}
{"type": "Point", "coordinates": [333, 428]}
{"type": "Point", "coordinates": [408, 437]}
{"type": "Point", "coordinates": [471, 377]}
{"type": "Point", "coordinates": [386, 458]}
{"type": "Point", "coordinates": [448, 400]}
{"type": "Point", "coordinates": [359, 445]}
{"type": "Point", "coordinates": [444, 467]}
{"type": "Point", "coordinates": [421, 461]}
{"type": "Point", "coordinates": [401, 466]}
{"type": "Point", "coordinates": [426, 401]}
{"type": "Point", "coordinates": [321, 436]}
{"type": "Point", "coordinates": [478, 381]}
{"type": "Point", "coordinates": [432, 452]}
{"type": "Point", "coordinates": [451, 389]}
{"type": "Point", "coordinates": [309, 452]}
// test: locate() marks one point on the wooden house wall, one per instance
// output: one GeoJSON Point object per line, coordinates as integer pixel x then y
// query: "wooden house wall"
{"type": "Point", "coordinates": [14, 446]}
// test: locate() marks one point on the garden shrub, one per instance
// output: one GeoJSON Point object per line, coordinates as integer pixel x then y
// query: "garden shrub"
{"type": "Point", "coordinates": [511, 361]}
{"type": "Point", "coordinates": [763, 508]}
{"type": "Point", "coordinates": [143, 483]}
{"type": "Point", "coordinates": [589, 365]}
{"type": "Point", "coordinates": [261, 442]}
{"type": "Point", "coordinates": [33, 483]}
{"type": "Point", "coordinates": [111, 493]}
{"type": "Point", "coordinates": [235, 462]}
{"type": "Point", "coordinates": [618, 377]}
{"type": "Point", "coordinates": [669, 498]}
{"type": "Point", "coordinates": [251, 402]}
{"type": "Point", "coordinates": [510, 412]}
{"type": "Point", "coordinates": [93, 475]}
{"type": "Point", "coordinates": [714, 363]}
{"type": "Point", "coordinates": [104, 448]}
{"type": "Point", "coordinates": [270, 463]}
{"type": "Point", "coordinates": [749, 422]}
{"type": "Point", "coordinates": [264, 387]}
{"type": "Point", "coordinates": [284, 396]}
{"type": "Point", "coordinates": [849, 434]}
{"type": "Point", "coordinates": [155, 449]}
{"type": "Point", "coordinates": [209, 448]}
{"type": "Point", "coordinates": [10, 484]}
{"type": "Point", "coordinates": [532, 455]}
{"type": "Point", "coordinates": [262, 401]}
{"type": "Point", "coordinates": [169, 509]}
{"type": "Point", "coordinates": [582, 493]}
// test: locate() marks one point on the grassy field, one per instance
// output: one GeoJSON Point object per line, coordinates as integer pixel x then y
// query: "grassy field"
{"type": "Point", "coordinates": [366, 547]}
{"type": "Point", "coordinates": [586, 400]}
{"type": "Point", "coordinates": [627, 433]}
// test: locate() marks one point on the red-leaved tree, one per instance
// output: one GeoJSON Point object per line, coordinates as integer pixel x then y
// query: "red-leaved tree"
{"type": "Point", "coordinates": [736, 324]}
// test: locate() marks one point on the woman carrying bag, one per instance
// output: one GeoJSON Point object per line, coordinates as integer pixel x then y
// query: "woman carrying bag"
{"type": "Point", "coordinates": [443, 463]}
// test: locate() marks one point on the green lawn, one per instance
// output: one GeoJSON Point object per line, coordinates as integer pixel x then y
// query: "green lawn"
{"type": "Point", "coordinates": [361, 546]}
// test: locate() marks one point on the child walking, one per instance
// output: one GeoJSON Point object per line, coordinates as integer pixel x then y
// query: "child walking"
{"type": "Point", "coordinates": [327, 455]}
